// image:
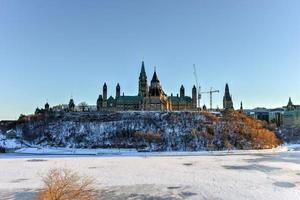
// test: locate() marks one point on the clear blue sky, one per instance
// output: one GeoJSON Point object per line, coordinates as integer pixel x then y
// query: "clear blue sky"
{"type": "Point", "coordinates": [52, 49]}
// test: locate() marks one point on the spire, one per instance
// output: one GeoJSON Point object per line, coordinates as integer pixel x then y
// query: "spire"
{"type": "Point", "coordinates": [290, 105]}
{"type": "Point", "coordinates": [194, 97]}
{"type": "Point", "coordinates": [71, 105]}
{"type": "Point", "coordinates": [227, 90]}
{"type": "Point", "coordinates": [143, 71]}
{"type": "Point", "coordinates": [47, 107]}
{"type": "Point", "coordinates": [290, 101]}
{"type": "Point", "coordinates": [182, 92]}
{"type": "Point", "coordinates": [227, 99]}
{"type": "Point", "coordinates": [104, 93]}
{"type": "Point", "coordinates": [155, 78]}
{"type": "Point", "coordinates": [118, 90]}
{"type": "Point", "coordinates": [143, 68]}
{"type": "Point", "coordinates": [143, 85]}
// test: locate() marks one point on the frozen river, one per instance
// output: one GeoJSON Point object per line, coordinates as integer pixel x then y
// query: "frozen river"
{"type": "Point", "coordinates": [253, 175]}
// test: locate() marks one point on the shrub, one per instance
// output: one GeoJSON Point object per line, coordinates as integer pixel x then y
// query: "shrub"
{"type": "Point", "coordinates": [63, 184]}
{"type": "Point", "coordinates": [149, 137]}
{"type": "Point", "coordinates": [210, 116]}
{"type": "Point", "coordinates": [251, 130]}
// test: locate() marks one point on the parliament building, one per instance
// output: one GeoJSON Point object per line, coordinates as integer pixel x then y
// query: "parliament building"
{"type": "Point", "coordinates": [149, 98]}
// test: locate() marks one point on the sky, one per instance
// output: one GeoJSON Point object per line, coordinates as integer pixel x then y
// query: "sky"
{"type": "Point", "coordinates": [52, 50]}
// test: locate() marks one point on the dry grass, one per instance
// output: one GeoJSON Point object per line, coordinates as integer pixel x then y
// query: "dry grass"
{"type": "Point", "coordinates": [63, 184]}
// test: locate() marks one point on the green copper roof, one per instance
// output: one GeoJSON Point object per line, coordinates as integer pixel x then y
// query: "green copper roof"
{"type": "Point", "coordinates": [185, 99]}
{"type": "Point", "coordinates": [129, 99]}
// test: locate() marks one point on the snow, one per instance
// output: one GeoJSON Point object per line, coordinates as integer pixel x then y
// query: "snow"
{"type": "Point", "coordinates": [70, 151]}
{"type": "Point", "coordinates": [9, 143]}
{"type": "Point", "coordinates": [134, 152]}
{"type": "Point", "coordinates": [266, 174]}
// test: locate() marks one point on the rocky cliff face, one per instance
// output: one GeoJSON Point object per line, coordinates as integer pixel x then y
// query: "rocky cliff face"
{"type": "Point", "coordinates": [158, 131]}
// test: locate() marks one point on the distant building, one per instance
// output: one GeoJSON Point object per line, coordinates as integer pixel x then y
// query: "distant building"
{"type": "Point", "coordinates": [287, 116]}
{"type": "Point", "coordinates": [227, 99]}
{"type": "Point", "coordinates": [268, 115]}
{"type": "Point", "coordinates": [291, 116]}
{"type": "Point", "coordinates": [151, 98]}
{"type": "Point", "coordinates": [290, 106]}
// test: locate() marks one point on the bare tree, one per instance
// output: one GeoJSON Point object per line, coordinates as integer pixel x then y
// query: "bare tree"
{"type": "Point", "coordinates": [83, 106]}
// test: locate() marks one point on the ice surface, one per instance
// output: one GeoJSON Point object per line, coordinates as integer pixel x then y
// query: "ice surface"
{"type": "Point", "coordinates": [267, 174]}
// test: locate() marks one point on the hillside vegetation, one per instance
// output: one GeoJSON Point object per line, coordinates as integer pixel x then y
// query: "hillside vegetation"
{"type": "Point", "coordinates": [154, 131]}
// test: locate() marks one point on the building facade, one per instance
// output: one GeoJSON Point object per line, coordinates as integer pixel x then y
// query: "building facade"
{"type": "Point", "coordinates": [150, 97]}
{"type": "Point", "coordinates": [291, 116]}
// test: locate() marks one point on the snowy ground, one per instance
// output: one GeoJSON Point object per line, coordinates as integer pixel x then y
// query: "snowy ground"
{"type": "Point", "coordinates": [269, 174]}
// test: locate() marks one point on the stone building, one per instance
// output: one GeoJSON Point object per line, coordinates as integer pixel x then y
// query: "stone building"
{"type": "Point", "coordinates": [227, 99]}
{"type": "Point", "coordinates": [150, 98]}
{"type": "Point", "coordinates": [291, 116]}
{"type": "Point", "coordinates": [184, 102]}
{"type": "Point", "coordinates": [290, 106]}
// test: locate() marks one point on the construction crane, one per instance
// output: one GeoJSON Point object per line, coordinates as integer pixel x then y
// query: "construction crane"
{"type": "Point", "coordinates": [198, 87]}
{"type": "Point", "coordinates": [210, 92]}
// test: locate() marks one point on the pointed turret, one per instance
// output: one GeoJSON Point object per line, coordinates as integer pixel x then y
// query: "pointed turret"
{"type": "Point", "coordinates": [227, 99]}
{"type": "Point", "coordinates": [71, 105]}
{"type": "Point", "coordinates": [143, 85]}
{"type": "Point", "coordinates": [290, 101]}
{"type": "Point", "coordinates": [104, 92]}
{"type": "Point", "coordinates": [155, 87]}
{"type": "Point", "coordinates": [194, 97]}
{"type": "Point", "coordinates": [47, 106]}
{"type": "Point", "coordinates": [155, 78]}
{"type": "Point", "coordinates": [227, 93]}
{"type": "Point", "coordinates": [118, 90]}
{"type": "Point", "coordinates": [290, 105]}
{"type": "Point", "coordinates": [182, 92]}
{"type": "Point", "coordinates": [143, 71]}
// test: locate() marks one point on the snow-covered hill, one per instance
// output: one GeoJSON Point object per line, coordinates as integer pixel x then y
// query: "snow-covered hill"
{"type": "Point", "coordinates": [155, 131]}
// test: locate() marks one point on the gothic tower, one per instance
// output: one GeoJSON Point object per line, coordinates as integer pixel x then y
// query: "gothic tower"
{"type": "Point", "coordinates": [47, 107]}
{"type": "Point", "coordinates": [143, 85]}
{"type": "Point", "coordinates": [155, 88]}
{"type": "Point", "coordinates": [71, 105]}
{"type": "Point", "coordinates": [182, 91]}
{"type": "Point", "coordinates": [118, 91]}
{"type": "Point", "coordinates": [241, 107]}
{"type": "Point", "coordinates": [227, 99]}
{"type": "Point", "coordinates": [104, 92]}
{"type": "Point", "coordinates": [194, 96]}
{"type": "Point", "coordinates": [290, 106]}
{"type": "Point", "coordinates": [104, 104]}
{"type": "Point", "coordinates": [99, 103]}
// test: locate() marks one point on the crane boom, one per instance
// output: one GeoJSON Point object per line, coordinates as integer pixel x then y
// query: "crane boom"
{"type": "Point", "coordinates": [210, 92]}
{"type": "Point", "coordinates": [197, 85]}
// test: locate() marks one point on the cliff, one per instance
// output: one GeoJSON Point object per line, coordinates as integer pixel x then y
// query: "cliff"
{"type": "Point", "coordinates": [157, 131]}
